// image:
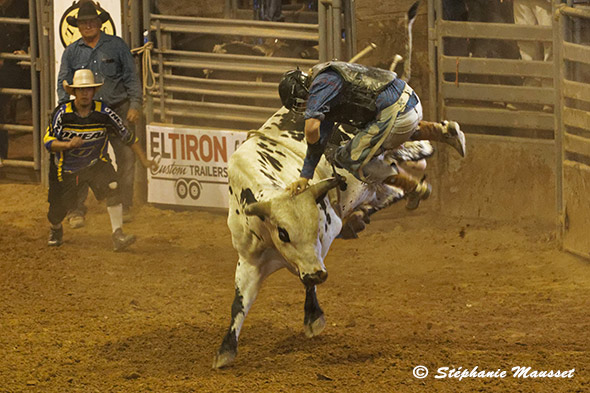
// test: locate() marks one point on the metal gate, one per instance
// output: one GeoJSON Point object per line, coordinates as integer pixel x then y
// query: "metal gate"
{"type": "Point", "coordinates": [573, 126]}
{"type": "Point", "coordinates": [23, 97]}
{"type": "Point", "coordinates": [222, 73]}
{"type": "Point", "coordinates": [482, 92]}
{"type": "Point", "coordinates": [493, 99]}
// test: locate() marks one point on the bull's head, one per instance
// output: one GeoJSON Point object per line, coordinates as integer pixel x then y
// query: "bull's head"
{"type": "Point", "coordinates": [294, 225]}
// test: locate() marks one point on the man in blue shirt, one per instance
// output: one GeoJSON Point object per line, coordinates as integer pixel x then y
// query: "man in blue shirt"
{"type": "Point", "coordinates": [110, 60]}
{"type": "Point", "coordinates": [384, 109]}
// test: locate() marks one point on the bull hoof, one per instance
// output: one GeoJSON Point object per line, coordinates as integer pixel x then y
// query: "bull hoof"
{"type": "Point", "coordinates": [223, 359]}
{"type": "Point", "coordinates": [316, 327]}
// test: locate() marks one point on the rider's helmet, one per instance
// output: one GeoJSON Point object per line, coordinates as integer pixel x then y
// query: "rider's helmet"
{"type": "Point", "coordinates": [293, 90]}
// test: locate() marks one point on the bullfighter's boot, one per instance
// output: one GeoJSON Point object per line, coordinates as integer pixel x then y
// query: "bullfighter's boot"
{"type": "Point", "coordinates": [415, 190]}
{"type": "Point", "coordinates": [56, 236]}
{"type": "Point", "coordinates": [121, 241]}
{"type": "Point", "coordinates": [447, 132]}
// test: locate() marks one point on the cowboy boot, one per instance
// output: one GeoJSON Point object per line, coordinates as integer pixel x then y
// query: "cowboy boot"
{"type": "Point", "coordinates": [414, 190]}
{"type": "Point", "coordinates": [447, 132]}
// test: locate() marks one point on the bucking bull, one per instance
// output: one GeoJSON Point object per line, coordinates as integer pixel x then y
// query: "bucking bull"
{"type": "Point", "coordinates": [272, 230]}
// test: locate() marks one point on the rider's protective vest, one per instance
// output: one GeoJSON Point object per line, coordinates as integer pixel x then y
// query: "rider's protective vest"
{"type": "Point", "coordinates": [362, 84]}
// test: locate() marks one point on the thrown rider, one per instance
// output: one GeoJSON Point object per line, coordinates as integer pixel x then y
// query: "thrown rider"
{"type": "Point", "coordinates": [383, 108]}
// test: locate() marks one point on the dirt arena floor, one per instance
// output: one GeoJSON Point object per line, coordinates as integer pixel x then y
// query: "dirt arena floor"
{"type": "Point", "coordinates": [418, 290]}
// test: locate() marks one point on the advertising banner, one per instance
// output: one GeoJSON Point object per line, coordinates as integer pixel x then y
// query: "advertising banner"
{"type": "Point", "coordinates": [192, 165]}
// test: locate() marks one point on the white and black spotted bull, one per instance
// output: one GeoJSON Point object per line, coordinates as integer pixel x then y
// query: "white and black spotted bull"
{"type": "Point", "coordinates": [272, 230]}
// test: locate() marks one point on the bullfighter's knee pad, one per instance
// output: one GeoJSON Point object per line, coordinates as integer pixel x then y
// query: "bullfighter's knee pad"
{"type": "Point", "coordinates": [113, 194]}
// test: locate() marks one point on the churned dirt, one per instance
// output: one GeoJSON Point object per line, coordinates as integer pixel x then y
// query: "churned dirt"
{"type": "Point", "coordinates": [413, 290]}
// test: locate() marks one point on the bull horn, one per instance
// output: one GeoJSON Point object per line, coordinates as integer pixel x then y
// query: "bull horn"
{"type": "Point", "coordinates": [258, 209]}
{"type": "Point", "coordinates": [321, 188]}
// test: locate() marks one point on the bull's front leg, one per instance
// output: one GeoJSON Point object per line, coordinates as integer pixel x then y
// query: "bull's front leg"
{"type": "Point", "coordinates": [249, 278]}
{"type": "Point", "coordinates": [314, 321]}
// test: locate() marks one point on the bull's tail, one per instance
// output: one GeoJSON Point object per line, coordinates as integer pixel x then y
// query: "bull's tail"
{"type": "Point", "coordinates": [410, 18]}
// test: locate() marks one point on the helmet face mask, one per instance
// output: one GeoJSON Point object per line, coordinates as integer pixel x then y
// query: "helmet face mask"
{"type": "Point", "coordinates": [293, 90]}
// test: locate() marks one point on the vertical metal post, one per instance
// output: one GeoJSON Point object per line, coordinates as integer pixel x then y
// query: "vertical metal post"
{"type": "Point", "coordinates": [227, 9]}
{"type": "Point", "coordinates": [434, 15]}
{"type": "Point", "coordinates": [135, 41]}
{"type": "Point", "coordinates": [146, 17]}
{"type": "Point", "coordinates": [34, 85]}
{"type": "Point", "coordinates": [166, 45]}
{"type": "Point", "coordinates": [440, 50]}
{"type": "Point", "coordinates": [135, 25]}
{"type": "Point", "coordinates": [329, 31]}
{"type": "Point", "coordinates": [46, 85]}
{"type": "Point", "coordinates": [322, 32]}
{"type": "Point", "coordinates": [125, 20]}
{"type": "Point", "coordinates": [351, 24]}
{"type": "Point", "coordinates": [234, 8]}
{"type": "Point", "coordinates": [161, 71]}
{"type": "Point", "coordinates": [433, 59]}
{"type": "Point", "coordinates": [337, 28]}
{"type": "Point", "coordinates": [559, 74]}
{"type": "Point", "coordinates": [147, 21]}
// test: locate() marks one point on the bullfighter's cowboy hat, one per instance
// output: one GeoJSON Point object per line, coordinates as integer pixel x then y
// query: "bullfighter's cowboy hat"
{"type": "Point", "coordinates": [82, 78]}
{"type": "Point", "coordinates": [87, 10]}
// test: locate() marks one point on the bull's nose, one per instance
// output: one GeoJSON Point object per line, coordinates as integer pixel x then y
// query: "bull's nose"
{"type": "Point", "coordinates": [315, 278]}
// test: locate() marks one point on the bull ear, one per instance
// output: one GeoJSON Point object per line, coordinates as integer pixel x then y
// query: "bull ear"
{"type": "Point", "coordinates": [261, 209]}
{"type": "Point", "coordinates": [320, 189]}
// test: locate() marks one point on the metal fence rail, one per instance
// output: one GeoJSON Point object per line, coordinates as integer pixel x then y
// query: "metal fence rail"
{"type": "Point", "coordinates": [29, 61]}
{"type": "Point", "coordinates": [215, 89]}
{"type": "Point", "coordinates": [244, 28]}
{"type": "Point", "coordinates": [486, 95]}
{"type": "Point", "coordinates": [211, 89]}
{"type": "Point", "coordinates": [573, 129]}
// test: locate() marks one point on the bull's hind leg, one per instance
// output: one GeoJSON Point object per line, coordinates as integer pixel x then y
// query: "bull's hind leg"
{"type": "Point", "coordinates": [249, 278]}
{"type": "Point", "coordinates": [314, 321]}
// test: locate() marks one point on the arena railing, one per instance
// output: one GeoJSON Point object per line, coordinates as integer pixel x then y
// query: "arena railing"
{"type": "Point", "coordinates": [215, 89]}
{"type": "Point", "coordinates": [572, 94]}
{"type": "Point", "coordinates": [26, 61]}
{"type": "Point", "coordinates": [545, 129]}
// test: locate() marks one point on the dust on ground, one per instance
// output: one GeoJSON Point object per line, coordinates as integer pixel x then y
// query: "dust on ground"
{"type": "Point", "coordinates": [415, 290]}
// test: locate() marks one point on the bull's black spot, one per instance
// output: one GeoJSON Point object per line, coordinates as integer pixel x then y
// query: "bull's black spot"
{"type": "Point", "coordinates": [276, 164]}
{"type": "Point", "coordinates": [237, 212]}
{"type": "Point", "coordinates": [247, 197]}
{"type": "Point", "coordinates": [237, 306]}
{"type": "Point", "coordinates": [328, 218]}
{"type": "Point", "coordinates": [343, 185]}
{"type": "Point", "coordinates": [322, 204]}
{"type": "Point", "coordinates": [230, 341]}
{"type": "Point", "coordinates": [268, 176]}
{"type": "Point", "coordinates": [297, 135]}
{"type": "Point", "coordinates": [312, 308]}
{"type": "Point", "coordinates": [263, 146]}
{"type": "Point", "coordinates": [284, 235]}
{"type": "Point", "coordinates": [291, 121]}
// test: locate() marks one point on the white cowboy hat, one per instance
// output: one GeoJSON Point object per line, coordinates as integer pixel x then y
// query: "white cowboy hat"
{"type": "Point", "coordinates": [82, 78]}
